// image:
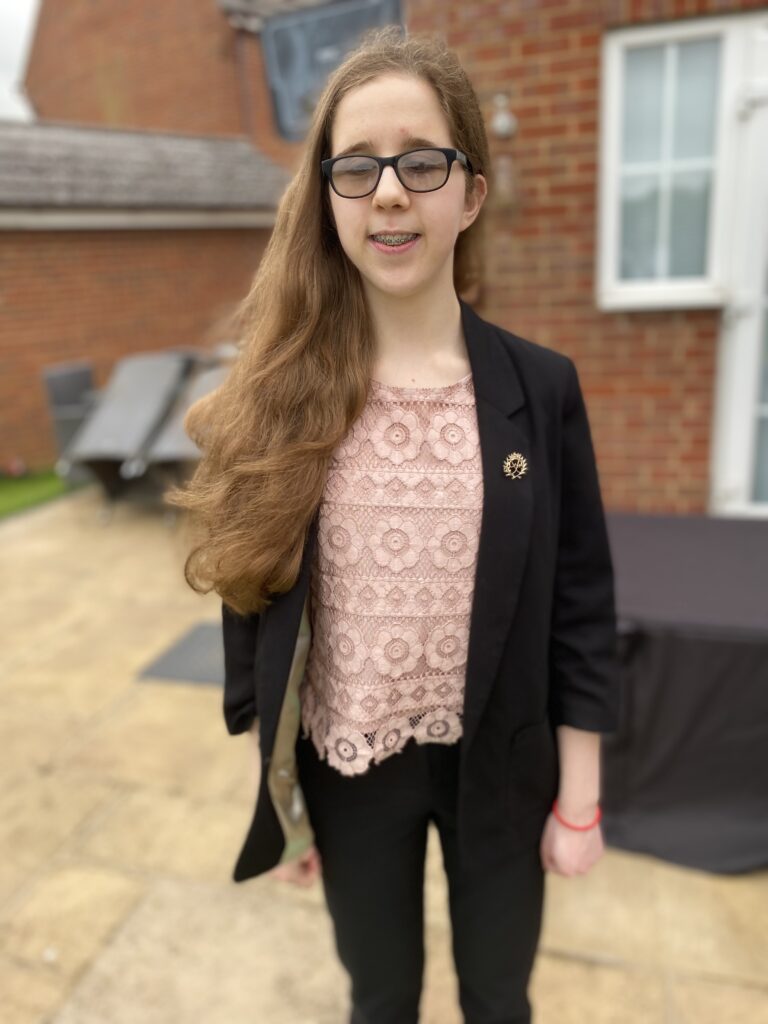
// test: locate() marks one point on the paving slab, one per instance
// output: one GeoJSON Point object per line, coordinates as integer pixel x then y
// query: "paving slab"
{"type": "Point", "coordinates": [123, 803]}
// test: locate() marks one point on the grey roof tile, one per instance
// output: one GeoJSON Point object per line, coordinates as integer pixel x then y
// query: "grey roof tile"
{"type": "Point", "coordinates": [51, 164]}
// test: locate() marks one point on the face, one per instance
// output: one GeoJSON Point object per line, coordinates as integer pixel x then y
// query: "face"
{"type": "Point", "coordinates": [386, 116]}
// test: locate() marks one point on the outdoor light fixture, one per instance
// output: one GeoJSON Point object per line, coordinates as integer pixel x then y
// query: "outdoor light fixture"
{"type": "Point", "coordinates": [503, 121]}
{"type": "Point", "coordinates": [503, 126]}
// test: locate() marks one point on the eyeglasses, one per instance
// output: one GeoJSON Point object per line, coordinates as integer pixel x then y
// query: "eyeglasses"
{"type": "Point", "coordinates": [418, 170]}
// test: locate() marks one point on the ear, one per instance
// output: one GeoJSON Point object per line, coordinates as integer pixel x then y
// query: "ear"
{"type": "Point", "coordinates": [473, 201]}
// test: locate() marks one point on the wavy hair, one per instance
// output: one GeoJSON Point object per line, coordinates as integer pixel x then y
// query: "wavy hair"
{"type": "Point", "coordinates": [306, 352]}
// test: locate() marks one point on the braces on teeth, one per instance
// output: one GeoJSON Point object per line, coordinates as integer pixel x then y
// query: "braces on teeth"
{"type": "Point", "coordinates": [393, 239]}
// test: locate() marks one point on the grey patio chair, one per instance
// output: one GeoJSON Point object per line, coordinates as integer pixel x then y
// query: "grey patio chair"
{"type": "Point", "coordinates": [71, 397]}
{"type": "Point", "coordinates": [172, 444]}
{"type": "Point", "coordinates": [130, 412]}
{"type": "Point", "coordinates": [170, 458]}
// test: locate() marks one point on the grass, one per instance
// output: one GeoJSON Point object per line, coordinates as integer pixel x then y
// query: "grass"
{"type": "Point", "coordinates": [22, 492]}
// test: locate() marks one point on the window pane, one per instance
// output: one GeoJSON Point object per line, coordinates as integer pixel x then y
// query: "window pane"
{"type": "Point", "coordinates": [642, 113]}
{"type": "Point", "coordinates": [761, 462]}
{"type": "Point", "coordinates": [764, 375]}
{"type": "Point", "coordinates": [689, 219]}
{"type": "Point", "coordinates": [639, 219]}
{"type": "Point", "coordinates": [696, 98]}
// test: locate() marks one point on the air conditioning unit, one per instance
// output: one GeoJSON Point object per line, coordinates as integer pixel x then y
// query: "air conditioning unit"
{"type": "Point", "coordinates": [302, 47]}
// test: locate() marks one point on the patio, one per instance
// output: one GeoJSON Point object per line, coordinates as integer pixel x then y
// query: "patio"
{"type": "Point", "coordinates": [123, 801]}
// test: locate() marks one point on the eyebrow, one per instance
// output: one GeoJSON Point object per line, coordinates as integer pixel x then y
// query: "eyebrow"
{"type": "Point", "coordinates": [366, 146]}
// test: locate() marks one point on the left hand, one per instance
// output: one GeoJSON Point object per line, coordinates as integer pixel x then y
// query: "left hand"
{"type": "Point", "coordinates": [302, 871]}
{"type": "Point", "coordinates": [567, 851]}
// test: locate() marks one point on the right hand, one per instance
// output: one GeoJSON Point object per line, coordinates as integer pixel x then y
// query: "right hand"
{"type": "Point", "coordinates": [303, 871]}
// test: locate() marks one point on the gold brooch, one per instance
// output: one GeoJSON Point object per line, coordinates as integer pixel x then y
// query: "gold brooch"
{"type": "Point", "coordinates": [515, 465]}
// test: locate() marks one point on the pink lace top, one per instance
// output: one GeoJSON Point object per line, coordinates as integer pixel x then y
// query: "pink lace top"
{"type": "Point", "coordinates": [392, 577]}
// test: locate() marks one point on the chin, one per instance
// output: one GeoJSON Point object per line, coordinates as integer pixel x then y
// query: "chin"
{"type": "Point", "coordinates": [398, 291]}
{"type": "Point", "coordinates": [406, 284]}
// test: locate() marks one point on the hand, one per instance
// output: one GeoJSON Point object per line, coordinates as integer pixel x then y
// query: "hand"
{"type": "Point", "coordinates": [566, 851]}
{"type": "Point", "coordinates": [303, 871]}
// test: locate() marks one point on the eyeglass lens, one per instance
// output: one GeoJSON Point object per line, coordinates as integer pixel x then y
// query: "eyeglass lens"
{"type": "Point", "coordinates": [420, 171]}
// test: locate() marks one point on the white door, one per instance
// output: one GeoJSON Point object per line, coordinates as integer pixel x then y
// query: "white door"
{"type": "Point", "coordinates": [739, 466]}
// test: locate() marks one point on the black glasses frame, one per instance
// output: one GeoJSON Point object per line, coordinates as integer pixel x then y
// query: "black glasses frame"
{"type": "Point", "coordinates": [392, 161]}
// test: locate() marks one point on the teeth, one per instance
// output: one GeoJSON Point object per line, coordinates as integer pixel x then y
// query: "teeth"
{"type": "Point", "coordinates": [393, 239]}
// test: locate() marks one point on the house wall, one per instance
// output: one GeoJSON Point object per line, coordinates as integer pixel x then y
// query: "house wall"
{"type": "Point", "coordinates": [170, 66]}
{"type": "Point", "coordinates": [648, 377]}
{"type": "Point", "coordinates": [100, 295]}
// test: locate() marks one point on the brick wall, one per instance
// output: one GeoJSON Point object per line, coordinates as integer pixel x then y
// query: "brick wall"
{"type": "Point", "coordinates": [144, 64]}
{"type": "Point", "coordinates": [175, 66]}
{"type": "Point", "coordinates": [98, 295]}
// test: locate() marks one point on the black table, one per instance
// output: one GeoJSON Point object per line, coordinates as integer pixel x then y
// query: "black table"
{"type": "Point", "coordinates": [685, 777]}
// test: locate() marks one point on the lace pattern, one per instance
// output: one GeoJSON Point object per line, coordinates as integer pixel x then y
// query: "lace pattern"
{"type": "Point", "coordinates": [392, 577]}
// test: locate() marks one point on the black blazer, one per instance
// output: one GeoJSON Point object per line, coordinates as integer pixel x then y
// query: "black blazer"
{"type": "Point", "coordinates": [542, 642]}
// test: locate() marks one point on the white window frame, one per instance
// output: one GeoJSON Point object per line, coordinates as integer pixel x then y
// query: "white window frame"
{"type": "Point", "coordinates": [715, 288]}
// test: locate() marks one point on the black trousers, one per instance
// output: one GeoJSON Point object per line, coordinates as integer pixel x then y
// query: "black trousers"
{"type": "Point", "coordinates": [371, 833]}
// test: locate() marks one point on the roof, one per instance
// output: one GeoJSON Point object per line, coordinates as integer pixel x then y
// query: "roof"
{"type": "Point", "coordinates": [53, 165]}
{"type": "Point", "coordinates": [251, 14]}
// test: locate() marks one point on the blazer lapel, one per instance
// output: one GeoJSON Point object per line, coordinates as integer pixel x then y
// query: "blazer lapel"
{"type": "Point", "coordinates": [507, 514]}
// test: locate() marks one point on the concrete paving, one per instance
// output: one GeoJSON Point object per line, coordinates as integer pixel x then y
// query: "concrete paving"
{"type": "Point", "coordinates": [123, 803]}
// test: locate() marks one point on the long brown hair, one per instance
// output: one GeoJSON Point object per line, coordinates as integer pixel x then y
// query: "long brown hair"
{"type": "Point", "coordinates": [306, 352]}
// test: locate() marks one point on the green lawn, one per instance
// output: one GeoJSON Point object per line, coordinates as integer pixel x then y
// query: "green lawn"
{"type": "Point", "coordinates": [17, 493]}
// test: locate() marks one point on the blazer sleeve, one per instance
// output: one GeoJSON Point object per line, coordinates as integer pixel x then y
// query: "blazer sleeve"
{"type": "Point", "coordinates": [239, 634]}
{"type": "Point", "coordinates": [584, 664]}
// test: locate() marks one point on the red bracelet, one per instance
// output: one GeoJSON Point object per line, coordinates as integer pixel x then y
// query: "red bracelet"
{"type": "Point", "coordinates": [579, 828]}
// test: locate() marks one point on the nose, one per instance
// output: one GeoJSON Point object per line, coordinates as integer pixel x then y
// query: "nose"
{"type": "Point", "coordinates": [390, 191]}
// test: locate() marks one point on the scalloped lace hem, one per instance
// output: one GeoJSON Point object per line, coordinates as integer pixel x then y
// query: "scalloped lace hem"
{"type": "Point", "coordinates": [352, 751]}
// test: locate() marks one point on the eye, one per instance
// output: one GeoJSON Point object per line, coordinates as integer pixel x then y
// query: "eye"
{"type": "Point", "coordinates": [424, 166]}
{"type": "Point", "coordinates": [421, 165]}
{"type": "Point", "coordinates": [350, 165]}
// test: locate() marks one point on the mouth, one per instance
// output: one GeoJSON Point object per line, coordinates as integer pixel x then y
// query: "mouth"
{"type": "Point", "coordinates": [391, 241]}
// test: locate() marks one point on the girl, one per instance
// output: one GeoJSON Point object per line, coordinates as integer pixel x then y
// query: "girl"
{"type": "Point", "coordinates": [401, 512]}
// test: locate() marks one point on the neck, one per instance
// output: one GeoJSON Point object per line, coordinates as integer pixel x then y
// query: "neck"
{"type": "Point", "coordinates": [422, 332]}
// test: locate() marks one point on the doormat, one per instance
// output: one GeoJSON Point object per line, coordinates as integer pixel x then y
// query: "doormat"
{"type": "Point", "coordinates": [197, 657]}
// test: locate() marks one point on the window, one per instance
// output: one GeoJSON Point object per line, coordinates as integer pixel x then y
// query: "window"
{"type": "Point", "coordinates": [666, 160]}
{"type": "Point", "coordinates": [668, 115]}
{"type": "Point", "coordinates": [302, 47]}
